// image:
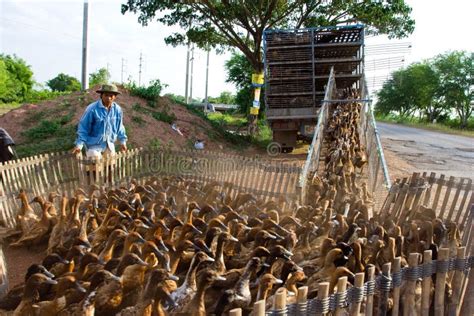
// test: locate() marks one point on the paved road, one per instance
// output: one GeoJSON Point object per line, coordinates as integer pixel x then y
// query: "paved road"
{"type": "Point", "coordinates": [425, 150]}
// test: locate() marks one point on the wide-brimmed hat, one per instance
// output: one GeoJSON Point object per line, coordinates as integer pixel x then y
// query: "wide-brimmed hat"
{"type": "Point", "coordinates": [111, 88]}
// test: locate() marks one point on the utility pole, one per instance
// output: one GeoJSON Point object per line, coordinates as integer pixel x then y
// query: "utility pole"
{"type": "Point", "coordinates": [140, 71]}
{"type": "Point", "coordinates": [84, 77]}
{"type": "Point", "coordinates": [121, 73]}
{"type": "Point", "coordinates": [186, 99]}
{"type": "Point", "coordinates": [207, 77]}
{"type": "Point", "coordinates": [192, 73]}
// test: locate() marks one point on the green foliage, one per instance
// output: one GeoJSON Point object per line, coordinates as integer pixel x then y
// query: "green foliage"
{"type": "Point", "coordinates": [50, 135]}
{"type": "Point", "coordinates": [149, 93]}
{"type": "Point", "coordinates": [240, 24]}
{"type": "Point", "coordinates": [63, 82]}
{"type": "Point", "coordinates": [227, 120]}
{"type": "Point", "coordinates": [456, 81]}
{"type": "Point", "coordinates": [434, 88]}
{"type": "Point", "coordinates": [16, 79]}
{"type": "Point", "coordinates": [224, 98]}
{"type": "Point", "coordinates": [34, 96]}
{"type": "Point", "coordinates": [163, 116]}
{"type": "Point", "coordinates": [101, 76]}
{"type": "Point", "coordinates": [239, 71]}
{"type": "Point", "coordinates": [176, 98]}
{"type": "Point", "coordinates": [137, 120]}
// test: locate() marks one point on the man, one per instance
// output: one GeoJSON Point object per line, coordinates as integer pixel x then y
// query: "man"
{"type": "Point", "coordinates": [101, 125]}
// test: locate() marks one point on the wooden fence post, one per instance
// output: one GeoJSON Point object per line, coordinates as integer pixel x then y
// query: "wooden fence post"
{"type": "Point", "coordinates": [410, 286]}
{"type": "Point", "coordinates": [259, 308]}
{"type": "Point", "coordinates": [396, 288]}
{"type": "Point", "coordinates": [369, 305]}
{"type": "Point", "coordinates": [301, 299]}
{"type": "Point", "coordinates": [358, 283]}
{"type": "Point", "coordinates": [280, 300]}
{"type": "Point", "coordinates": [341, 288]}
{"type": "Point", "coordinates": [453, 307]}
{"type": "Point", "coordinates": [235, 312]}
{"type": "Point", "coordinates": [426, 286]}
{"type": "Point", "coordinates": [323, 292]}
{"type": "Point", "coordinates": [3, 274]}
{"type": "Point", "coordinates": [384, 295]}
{"type": "Point", "coordinates": [443, 255]}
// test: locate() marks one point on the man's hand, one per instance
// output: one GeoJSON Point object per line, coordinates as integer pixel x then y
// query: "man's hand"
{"type": "Point", "coordinates": [123, 147]}
{"type": "Point", "coordinates": [76, 150]}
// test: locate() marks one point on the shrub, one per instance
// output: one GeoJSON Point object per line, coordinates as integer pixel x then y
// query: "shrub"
{"type": "Point", "coordinates": [150, 93]}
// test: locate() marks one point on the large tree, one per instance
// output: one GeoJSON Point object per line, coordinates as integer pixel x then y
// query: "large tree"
{"type": "Point", "coordinates": [456, 76]}
{"type": "Point", "coordinates": [241, 24]}
{"type": "Point", "coordinates": [101, 76]}
{"type": "Point", "coordinates": [16, 79]}
{"type": "Point", "coordinates": [63, 82]}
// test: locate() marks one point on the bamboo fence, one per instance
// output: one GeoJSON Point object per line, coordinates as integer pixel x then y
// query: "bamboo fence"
{"type": "Point", "coordinates": [416, 289]}
{"type": "Point", "coordinates": [39, 175]}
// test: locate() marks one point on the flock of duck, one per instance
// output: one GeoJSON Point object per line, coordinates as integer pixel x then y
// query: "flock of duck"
{"type": "Point", "coordinates": [174, 246]}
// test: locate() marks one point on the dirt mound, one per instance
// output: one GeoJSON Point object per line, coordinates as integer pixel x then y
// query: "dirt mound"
{"type": "Point", "coordinates": [51, 125]}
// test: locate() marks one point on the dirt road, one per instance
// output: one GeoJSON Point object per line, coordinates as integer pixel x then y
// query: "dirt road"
{"type": "Point", "coordinates": [409, 149]}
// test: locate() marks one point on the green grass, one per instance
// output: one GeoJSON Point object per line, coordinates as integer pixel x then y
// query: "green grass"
{"type": "Point", "coordinates": [50, 135]}
{"type": "Point", "coordinates": [226, 119]}
{"type": "Point", "coordinates": [137, 120]}
{"type": "Point", "coordinates": [448, 126]}
{"type": "Point", "coordinates": [163, 116]}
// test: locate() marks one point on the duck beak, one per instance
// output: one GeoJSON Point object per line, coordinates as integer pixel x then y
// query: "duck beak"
{"type": "Point", "coordinates": [48, 274]}
{"type": "Point", "coordinates": [209, 259]}
{"type": "Point", "coordinates": [162, 246]}
{"type": "Point", "coordinates": [278, 281]}
{"type": "Point", "coordinates": [196, 231]}
{"type": "Point", "coordinates": [50, 281]}
{"type": "Point", "coordinates": [79, 287]}
{"type": "Point", "coordinates": [232, 238]}
{"type": "Point", "coordinates": [140, 240]}
{"type": "Point", "coordinates": [167, 266]}
{"type": "Point", "coordinates": [173, 277]}
{"type": "Point", "coordinates": [220, 278]}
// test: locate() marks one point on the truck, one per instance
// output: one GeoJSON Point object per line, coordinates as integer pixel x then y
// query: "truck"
{"type": "Point", "coordinates": [297, 64]}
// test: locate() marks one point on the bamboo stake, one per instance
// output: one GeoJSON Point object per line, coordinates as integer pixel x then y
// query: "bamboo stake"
{"type": "Point", "coordinates": [259, 308]}
{"type": "Point", "coordinates": [384, 295]}
{"type": "Point", "coordinates": [280, 300]}
{"type": "Point", "coordinates": [440, 284]}
{"type": "Point", "coordinates": [341, 288]}
{"type": "Point", "coordinates": [369, 305]}
{"type": "Point", "coordinates": [358, 283]}
{"type": "Point", "coordinates": [235, 312]}
{"type": "Point", "coordinates": [426, 286]}
{"type": "Point", "coordinates": [410, 286]}
{"type": "Point", "coordinates": [454, 305]}
{"type": "Point", "coordinates": [301, 299]}
{"type": "Point", "coordinates": [396, 289]}
{"type": "Point", "coordinates": [323, 292]}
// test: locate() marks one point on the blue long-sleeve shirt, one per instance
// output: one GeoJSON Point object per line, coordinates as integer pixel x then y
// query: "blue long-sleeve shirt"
{"type": "Point", "coordinates": [99, 128]}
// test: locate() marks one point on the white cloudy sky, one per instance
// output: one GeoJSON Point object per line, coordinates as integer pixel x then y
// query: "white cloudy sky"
{"type": "Point", "coordinates": [48, 35]}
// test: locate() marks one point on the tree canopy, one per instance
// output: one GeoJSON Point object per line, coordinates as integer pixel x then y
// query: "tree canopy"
{"type": "Point", "coordinates": [16, 79]}
{"type": "Point", "coordinates": [101, 76]}
{"type": "Point", "coordinates": [241, 24]}
{"type": "Point", "coordinates": [456, 82]}
{"type": "Point", "coordinates": [434, 88]}
{"type": "Point", "coordinates": [64, 83]}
